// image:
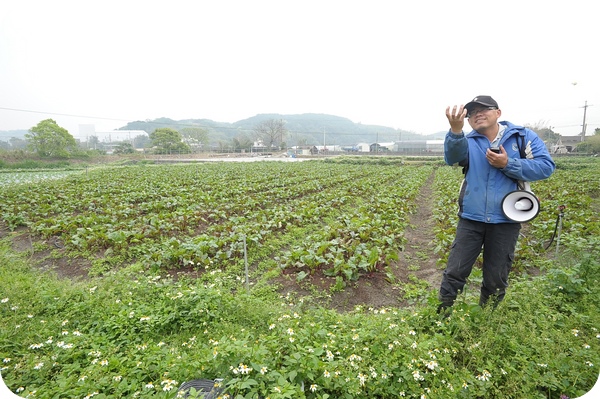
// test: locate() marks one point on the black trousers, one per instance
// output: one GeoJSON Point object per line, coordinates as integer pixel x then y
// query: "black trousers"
{"type": "Point", "coordinates": [498, 242]}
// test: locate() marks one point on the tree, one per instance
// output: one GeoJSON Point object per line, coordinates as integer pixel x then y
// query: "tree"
{"type": "Point", "coordinates": [168, 141]}
{"type": "Point", "coordinates": [48, 139]}
{"type": "Point", "coordinates": [242, 142]}
{"type": "Point", "coordinates": [124, 148]}
{"type": "Point", "coordinates": [17, 143]}
{"type": "Point", "coordinates": [590, 145]}
{"type": "Point", "coordinates": [546, 133]}
{"type": "Point", "coordinates": [141, 141]}
{"type": "Point", "coordinates": [195, 137]}
{"type": "Point", "coordinates": [94, 142]}
{"type": "Point", "coordinates": [271, 132]}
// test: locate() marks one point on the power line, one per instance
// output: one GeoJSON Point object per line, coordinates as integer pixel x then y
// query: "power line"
{"type": "Point", "coordinates": [56, 113]}
{"type": "Point", "coordinates": [217, 127]}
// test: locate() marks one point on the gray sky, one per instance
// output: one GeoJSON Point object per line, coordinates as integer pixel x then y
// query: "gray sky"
{"type": "Point", "coordinates": [391, 63]}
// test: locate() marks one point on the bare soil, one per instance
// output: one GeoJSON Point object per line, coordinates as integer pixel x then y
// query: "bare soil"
{"type": "Point", "coordinates": [376, 289]}
{"type": "Point", "coordinates": [47, 255]}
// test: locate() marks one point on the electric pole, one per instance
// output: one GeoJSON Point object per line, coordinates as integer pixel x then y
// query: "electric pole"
{"type": "Point", "coordinates": [583, 126]}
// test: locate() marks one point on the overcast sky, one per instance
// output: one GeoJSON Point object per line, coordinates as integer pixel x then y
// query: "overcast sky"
{"type": "Point", "coordinates": [390, 63]}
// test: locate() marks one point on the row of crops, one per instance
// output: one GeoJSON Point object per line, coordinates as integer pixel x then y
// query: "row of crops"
{"type": "Point", "coordinates": [173, 216]}
{"type": "Point", "coordinates": [342, 218]}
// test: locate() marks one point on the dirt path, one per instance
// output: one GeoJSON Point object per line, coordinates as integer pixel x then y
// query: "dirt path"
{"type": "Point", "coordinates": [419, 250]}
{"type": "Point", "coordinates": [416, 265]}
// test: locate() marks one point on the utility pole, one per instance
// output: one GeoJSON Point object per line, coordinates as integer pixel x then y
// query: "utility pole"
{"type": "Point", "coordinates": [583, 126]}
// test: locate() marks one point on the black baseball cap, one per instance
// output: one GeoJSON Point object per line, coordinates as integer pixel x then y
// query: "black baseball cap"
{"type": "Point", "coordinates": [486, 101]}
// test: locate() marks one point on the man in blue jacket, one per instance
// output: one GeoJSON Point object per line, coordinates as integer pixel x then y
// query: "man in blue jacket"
{"type": "Point", "coordinates": [491, 155]}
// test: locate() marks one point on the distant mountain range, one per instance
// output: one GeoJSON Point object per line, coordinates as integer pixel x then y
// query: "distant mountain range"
{"type": "Point", "coordinates": [6, 135]}
{"type": "Point", "coordinates": [309, 129]}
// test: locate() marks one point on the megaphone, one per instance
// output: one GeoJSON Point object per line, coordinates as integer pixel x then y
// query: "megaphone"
{"type": "Point", "coordinates": [521, 205]}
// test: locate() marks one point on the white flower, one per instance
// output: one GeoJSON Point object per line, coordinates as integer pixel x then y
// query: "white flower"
{"type": "Point", "coordinates": [330, 356]}
{"type": "Point", "coordinates": [362, 378]}
{"type": "Point", "coordinates": [484, 376]}
{"type": "Point", "coordinates": [417, 376]}
{"type": "Point", "coordinates": [38, 366]}
{"type": "Point", "coordinates": [313, 387]}
{"type": "Point", "coordinates": [168, 384]}
{"type": "Point", "coordinates": [4, 300]}
{"type": "Point", "coordinates": [431, 365]}
{"type": "Point", "coordinates": [149, 385]}
{"type": "Point", "coordinates": [245, 369]}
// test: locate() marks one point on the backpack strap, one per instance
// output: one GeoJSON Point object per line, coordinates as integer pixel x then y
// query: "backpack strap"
{"type": "Point", "coordinates": [465, 165]}
{"type": "Point", "coordinates": [521, 146]}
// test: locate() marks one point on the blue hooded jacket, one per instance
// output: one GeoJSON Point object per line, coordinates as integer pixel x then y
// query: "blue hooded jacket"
{"type": "Point", "coordinates": [484, 186]}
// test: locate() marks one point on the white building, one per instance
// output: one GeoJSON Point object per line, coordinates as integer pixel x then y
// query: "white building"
{"type": "Point", "coordinates": [109, 136]}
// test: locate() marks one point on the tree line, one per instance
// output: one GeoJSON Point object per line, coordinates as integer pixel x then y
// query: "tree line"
{"type": "Point", "coordinates": [49, 140]}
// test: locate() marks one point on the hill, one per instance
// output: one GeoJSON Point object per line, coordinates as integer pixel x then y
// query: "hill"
{"type": "Point", "coordinates": [310, 129]}
{"type": "Point", "coordinates": [6, 135]}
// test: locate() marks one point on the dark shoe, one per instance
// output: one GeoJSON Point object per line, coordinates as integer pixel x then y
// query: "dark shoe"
{"type": "Point", "coordinates": [444, 309]}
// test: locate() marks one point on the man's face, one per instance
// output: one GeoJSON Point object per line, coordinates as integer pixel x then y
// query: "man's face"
{"type": "Point", "coordinates": [482, 117]}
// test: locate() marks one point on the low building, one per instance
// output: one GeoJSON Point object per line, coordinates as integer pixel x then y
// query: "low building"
{"type": "Point", "coordinates": [420, 146]}
{"type": "Point", "coordinates": [566, 144]}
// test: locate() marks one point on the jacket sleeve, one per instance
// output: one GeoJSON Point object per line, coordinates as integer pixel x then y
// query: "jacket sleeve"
{"type": "Point", "coordinates": [538, 167]}
{"type": "Point", "coordinates": [456, 148]}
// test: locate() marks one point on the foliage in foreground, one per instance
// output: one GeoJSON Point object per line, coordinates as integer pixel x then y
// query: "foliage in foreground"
{"type": "Point", "coordinates": [131, 334]}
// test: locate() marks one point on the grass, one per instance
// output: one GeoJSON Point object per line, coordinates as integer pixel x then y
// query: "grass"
{"type": "Point", "coordinates": [133, 334]}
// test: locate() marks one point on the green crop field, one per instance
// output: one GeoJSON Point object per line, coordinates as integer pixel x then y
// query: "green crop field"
{"type": "Point", "coordinates": [127, 281]}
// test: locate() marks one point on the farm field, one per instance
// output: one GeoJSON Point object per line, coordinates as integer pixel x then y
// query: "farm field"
{"type": "Point", "coordinates": [311, 279]}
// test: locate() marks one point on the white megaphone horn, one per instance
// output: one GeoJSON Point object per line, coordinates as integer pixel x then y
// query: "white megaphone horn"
{"type": "Point", "coordinates": [521, 205]}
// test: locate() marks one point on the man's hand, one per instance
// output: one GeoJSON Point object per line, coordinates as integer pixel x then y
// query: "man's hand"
{"type": "Point", "coordinates": [456, 118]}
{"type": "Point", "coordinates": [498, 161]}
